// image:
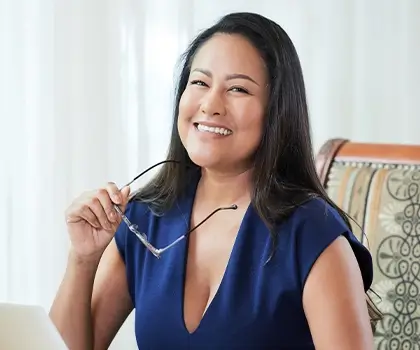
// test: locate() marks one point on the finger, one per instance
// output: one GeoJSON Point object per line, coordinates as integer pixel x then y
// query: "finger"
{"type": "Point", "coordinates": [114, 192]}
{"type": "Point", "coordinates": [107, 205]}
{"type": "Point", "coordinates": [96, 206]}
{"type": "Point", "coordinates": [83, 213]}
{"type": "Point", "coordinates": [90, 217]}
{"type": "Point", "coordinates": [125, 193]}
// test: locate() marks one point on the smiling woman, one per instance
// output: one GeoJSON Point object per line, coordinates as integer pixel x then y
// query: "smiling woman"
{"type": "Point", "coordinates": [226, 90]}
{"type": "Point", "coordinates": [282, 270]}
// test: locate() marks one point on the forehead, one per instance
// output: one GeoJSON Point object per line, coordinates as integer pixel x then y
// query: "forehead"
{"type": "Point", "coordinates": [229, 53]}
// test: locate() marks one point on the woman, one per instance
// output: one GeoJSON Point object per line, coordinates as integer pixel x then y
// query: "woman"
{"type": "Point", "coordinates": [282, 271]}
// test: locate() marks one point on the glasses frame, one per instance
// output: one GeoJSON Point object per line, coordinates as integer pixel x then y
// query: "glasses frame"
{"type": "Point", "coordinates": [157, 252]}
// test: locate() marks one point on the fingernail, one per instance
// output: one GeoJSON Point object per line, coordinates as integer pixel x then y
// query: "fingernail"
{"type": "Point", "coordinates": [116, 197]}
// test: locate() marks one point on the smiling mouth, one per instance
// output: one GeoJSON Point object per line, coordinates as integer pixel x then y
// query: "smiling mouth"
{"type": "Point", "coordinates": [211, 129]}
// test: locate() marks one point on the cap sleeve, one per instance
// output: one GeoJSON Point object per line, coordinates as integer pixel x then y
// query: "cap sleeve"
{"type": "Point", "coordinates": [318, 224]}
{"type": "Point", "coordinates": [124, 244]}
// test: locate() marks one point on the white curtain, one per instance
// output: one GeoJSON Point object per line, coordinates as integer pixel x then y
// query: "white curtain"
{"type": "Point", "coordinates": [86, 91]}
{"type": "Point", "coordinates": [360, 61]}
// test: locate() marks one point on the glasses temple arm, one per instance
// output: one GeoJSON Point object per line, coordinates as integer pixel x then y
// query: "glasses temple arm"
{"type": "Point", "coordinates": [233, 206]}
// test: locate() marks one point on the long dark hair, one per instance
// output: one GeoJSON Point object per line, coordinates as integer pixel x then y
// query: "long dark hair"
{"type": "Point", "coordinates": [284, 174]}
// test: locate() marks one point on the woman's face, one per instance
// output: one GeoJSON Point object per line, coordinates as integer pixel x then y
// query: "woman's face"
{"type": "Point", "coordinates": [221, 111]}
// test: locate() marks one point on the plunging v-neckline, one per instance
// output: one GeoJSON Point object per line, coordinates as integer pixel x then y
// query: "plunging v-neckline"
{"type": "Point", "coordinates": [210, 305]}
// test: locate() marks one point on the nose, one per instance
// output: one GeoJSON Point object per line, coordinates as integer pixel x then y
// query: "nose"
{"type": "Point", "coordinates": [212, 104]}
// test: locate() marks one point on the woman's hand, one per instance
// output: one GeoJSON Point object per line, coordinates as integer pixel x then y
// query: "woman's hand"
{"type": "Point", "coordinates": [92, 220]}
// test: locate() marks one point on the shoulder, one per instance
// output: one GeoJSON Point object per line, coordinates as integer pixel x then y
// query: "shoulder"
{"type": "Point", "coordinates": [136, 208]}
{"type": "Point", "coordinates": [138, 213]}
{"type": "Point", "coordinates": [317, 211]}
{"type": "Point", "coordinates": [316, 219]}
{"type": "Point", "coordinates": [128, 244]}
{"type": "Point", "coordinates": [314, 226]}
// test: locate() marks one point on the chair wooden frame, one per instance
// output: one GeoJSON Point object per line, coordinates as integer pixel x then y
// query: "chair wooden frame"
{"type": "Point", "coordinates": [347, 151]}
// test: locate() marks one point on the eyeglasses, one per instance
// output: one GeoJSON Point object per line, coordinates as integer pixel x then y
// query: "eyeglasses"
{"type": "Point", "coordinates": [157, 252]}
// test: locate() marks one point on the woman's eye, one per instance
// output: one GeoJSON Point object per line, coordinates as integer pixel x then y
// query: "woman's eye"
{"type": "Point", "coordinates": [198, 82]}
{"type": "Point", "coordinates": [233, 89]}
{"type": "Point", "coordinates": [239, 89]}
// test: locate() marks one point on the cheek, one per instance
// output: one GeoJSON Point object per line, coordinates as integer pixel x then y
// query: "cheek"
{"type": "Point", "coordinates": [252, 118]}
{"type": "Point", "coordinates": [250, 128]}
{"type": "Point", "coordinates": [188, 105]}
{"type": "Point", "coordinates": [185, 114]}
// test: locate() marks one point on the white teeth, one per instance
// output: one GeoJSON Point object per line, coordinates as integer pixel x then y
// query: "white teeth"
{"type": "Point", "coordinates": [215, 130]}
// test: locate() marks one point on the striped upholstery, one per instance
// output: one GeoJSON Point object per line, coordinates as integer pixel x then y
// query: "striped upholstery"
{"type": "Point", "coordinates": [384, 200]}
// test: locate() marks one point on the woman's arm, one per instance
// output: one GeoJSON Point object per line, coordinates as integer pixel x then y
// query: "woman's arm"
{"type": "Point", "coordinates": [93, 301]}
{"type": "Point", "coordinates": [334, 301]}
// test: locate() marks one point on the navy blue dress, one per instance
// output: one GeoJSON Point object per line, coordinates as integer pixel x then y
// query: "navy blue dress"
{"type": "Point", "coordinates": [257, 306]}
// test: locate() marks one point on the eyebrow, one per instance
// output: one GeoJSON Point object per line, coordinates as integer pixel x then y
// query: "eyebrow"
{"type": "Point", "coordinates": [228, 77]}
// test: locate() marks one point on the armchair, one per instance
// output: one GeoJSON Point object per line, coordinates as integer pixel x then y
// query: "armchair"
{"type": "Point", "coordinates": [378, 185]}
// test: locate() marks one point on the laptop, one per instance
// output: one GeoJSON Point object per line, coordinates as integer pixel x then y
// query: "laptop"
{"type": "Point", "coordinates": [27, 327]}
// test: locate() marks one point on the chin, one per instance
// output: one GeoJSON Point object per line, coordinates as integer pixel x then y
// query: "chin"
{"type": "Point", "coordinates": [205, 160]}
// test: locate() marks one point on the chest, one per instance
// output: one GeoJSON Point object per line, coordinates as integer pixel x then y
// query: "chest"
{"type": "Point", "coordinates": [254, 303]}
{"type": "Point", "coordinates": [209, 248]}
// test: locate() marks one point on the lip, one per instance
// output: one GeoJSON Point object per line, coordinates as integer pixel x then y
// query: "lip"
{"type": "Point", "coordinates": [212, 125]}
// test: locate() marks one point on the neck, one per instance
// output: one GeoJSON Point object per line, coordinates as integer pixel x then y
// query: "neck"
{"type": "Point", "coordinates": [225, 188]}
